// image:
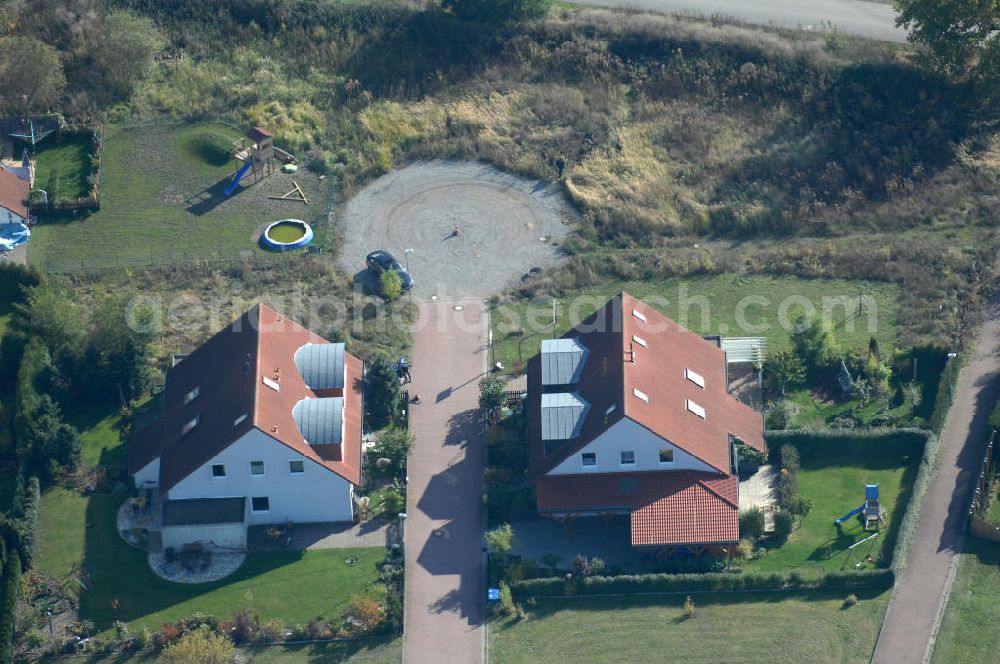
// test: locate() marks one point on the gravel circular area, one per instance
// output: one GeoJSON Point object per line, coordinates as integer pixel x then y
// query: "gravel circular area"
{"type": "Point", "coordinates": [220, 566]}
{"type": "Point", "coordinates": [506, 226]}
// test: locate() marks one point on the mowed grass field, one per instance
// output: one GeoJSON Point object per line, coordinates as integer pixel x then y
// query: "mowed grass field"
{"type": "Point", "coordinates": [727, 627]}
{"type": "Point", "coordinates": [78, 531]}
{"type": "Point", "coordinates": [969, 630]}
{"type": "Point", "coordinates": [162, 201]}
{"type": "Point", "coordinates": [69, 157]}
{"type": "Point", "coordinates": [729, 305]}
{"type": "Point", "coordinates": [834, 479]}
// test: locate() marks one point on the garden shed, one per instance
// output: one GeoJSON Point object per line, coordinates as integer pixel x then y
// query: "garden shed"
{"type": "Point", "coordinates": [216, 523]}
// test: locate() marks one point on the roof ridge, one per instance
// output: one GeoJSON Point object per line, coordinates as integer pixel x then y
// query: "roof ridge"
{"type": "Point", "coordinates": [255, 387]}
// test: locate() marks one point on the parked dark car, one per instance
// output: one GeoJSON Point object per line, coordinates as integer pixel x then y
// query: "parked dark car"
{"type": "Point", "coordinates": [380, 261]}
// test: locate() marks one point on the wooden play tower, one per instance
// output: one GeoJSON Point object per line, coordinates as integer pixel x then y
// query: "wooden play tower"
{"type": "Point", "coordinates": [257, 149]}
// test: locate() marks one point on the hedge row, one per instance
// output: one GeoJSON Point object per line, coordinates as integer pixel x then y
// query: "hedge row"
{"type": "Point", "coordinates": [11, 588]}
{"type": "Point", "coordinates": [32, 502]}
{"type": "Point", "coordinates": [665, 583]}
{"type": "Point", "coordinates": [942, 400]}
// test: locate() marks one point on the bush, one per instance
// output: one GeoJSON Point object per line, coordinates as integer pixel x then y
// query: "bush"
{"type": "Point", "coordinates": [581, 566]}
{"type": "Point", "coordinates": [381, 393]}
{"type": "Point", "coordinates": [850, 600]}
{"type": "Point", "coordinates": [506, 604]}
{"type": "Point", "coordinates": [752, 523]}
{"type": "Point", "coordinates": [11, 590]}
{"type": "Point", "coordinates": [781, 414]}
{"type": "Point", "coordinates": [784, 521]}
{"type": "Point", "coordinates": [201, 645]}
{"type": "Point", "coordinates": [32, 501]}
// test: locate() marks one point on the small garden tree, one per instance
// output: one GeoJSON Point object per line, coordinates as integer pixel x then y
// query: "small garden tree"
{"type": "Point", "coordinates": [785, 369]}
{"type": "Point", "coordinates": [813, 342]}
{"type": "Point", "coordinates": [201, 646]}
{"type": "Point", "coordinates": [394, 444]}
{"type": "Point", "coordinates": [381, 392]}
{"type": "Point", "coordinates": [491, 396]}
{"type": "Point", "coordinates": [391, 285]}
{"type": "Point", "coordinates": [500, 541]}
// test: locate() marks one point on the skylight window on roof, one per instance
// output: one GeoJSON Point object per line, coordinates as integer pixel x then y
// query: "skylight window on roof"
{"type": "Point", "coordinates": [695, 378]}
{"type": "Point", "coordinates": [192, 395]}
{"type": "Point", "coordinates": [610, 409]}
{"type": "Point", "coordinates": [639, 340]}
{"type": "Point", "coordinates": [638, 314]}
{"type": "Point", "coordinates": [273, 384]}
{"type": "Point", "coordinates": [240, 420]}
{"type": "Point", "coordinates": [694, 408]}
{"type": "Point", "coordinates": [190, 425]}
{"type": "Point", "coordinates": [639, 393]}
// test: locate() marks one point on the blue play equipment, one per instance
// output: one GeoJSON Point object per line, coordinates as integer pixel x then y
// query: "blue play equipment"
{"type": "Point", "coordinates": [236, 180]}
{"type": "Point", "coordinates": [872, 511]}
{"type": "Point", "coordinates": [13, 235]}
{"type": "Point", "coordinates": [286, 234]}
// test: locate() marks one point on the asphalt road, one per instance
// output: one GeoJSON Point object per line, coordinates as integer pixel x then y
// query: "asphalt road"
{"type": "Point", "coordinates": [860, 17]}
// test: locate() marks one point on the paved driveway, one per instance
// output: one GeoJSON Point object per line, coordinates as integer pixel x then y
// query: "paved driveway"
{"type": "Point", "coordinates": [875, 20]}
{"type": "Point", "coordinates": [922, 589]}
{"type": "Point", "coordinates": [444, 544]}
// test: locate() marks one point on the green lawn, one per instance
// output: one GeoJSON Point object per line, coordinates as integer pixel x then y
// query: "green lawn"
{"type": "Point", "coordinates": [712, 305]}
{"type": "Point", "coordinates": [161, 201]}
{"type": "Point", "coordinates": [969, 633]}
{"type": "Point", "coordinates": [294, 586]}
{"type": "Point", "coordinates": [99, 425]}
{"type": "Point", "coordinates": [369, 651]}
{"type": "Point", "coordinates": [68, 156]}
{"type": "Point", "coordinates": [727, 627]}
{"type": "Point", "coordinates": [835, 480]}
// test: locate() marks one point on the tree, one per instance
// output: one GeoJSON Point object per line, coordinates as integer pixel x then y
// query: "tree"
{"type": "Point", "coordinates": [497, 11]}
{"type": "Point", "coordinates": [813, 342]}
{"type": "Point", "coordinates": [50, 446]}
{"type": "Point", "coordinates": [201, 646]}
{"type": "Point", "coordinates": [394, 445]}
{"type": "Point", "coordinates": [785, 368]}
{"type": "Point", "coordinates": [913, 394]}
{"type": "Point", "coordinates": [31, 75]}
{"type": "Point", "coordinates": [365, 612]}
{"type": "Point", "coordinates": [391, 285]}
{"type": "Point", "coordinates": [381, 392]}
{"type": "Point", "coordinates": [962, 38]}
{"type": "Point", "coordinates": [124, 50]}
{"type": "Point", "coordinates": [491, 395]}
{"type": "Point", "coordinates": [500, 541]}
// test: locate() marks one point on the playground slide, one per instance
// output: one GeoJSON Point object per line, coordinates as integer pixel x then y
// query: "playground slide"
{"type": "Point", "coordinates": [856, 510]}
{"type": "Point", "coordinates": [236, 180]}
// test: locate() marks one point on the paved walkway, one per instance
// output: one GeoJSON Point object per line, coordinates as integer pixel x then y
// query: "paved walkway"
{"type": "Point", "coordinates": [375, 532]}
{"type": "Point", "coordinates": [444, 545]}
{"type": "Point", "coordinates": [922, 589]}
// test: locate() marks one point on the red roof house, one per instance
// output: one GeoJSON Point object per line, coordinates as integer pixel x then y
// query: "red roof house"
{"type": "Point", "coordinates": [264, 410]}
{"type": "Point", "coordinates": [13, 198]}
{"type": "Point", "coordinates": [630, 413]}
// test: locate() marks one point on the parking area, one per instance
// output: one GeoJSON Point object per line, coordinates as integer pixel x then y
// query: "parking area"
{"type": "Point", "coordinates": [473, 229]}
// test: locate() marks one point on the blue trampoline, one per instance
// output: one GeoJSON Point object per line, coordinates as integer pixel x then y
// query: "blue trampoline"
{"type": "Point", "coordinates": [13, 235]}
{"type": "Point", "coordinates": [286, 234]}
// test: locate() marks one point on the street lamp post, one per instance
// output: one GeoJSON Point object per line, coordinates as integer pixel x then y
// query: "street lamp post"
{"type": "Point", "coordinates": [408, 252]}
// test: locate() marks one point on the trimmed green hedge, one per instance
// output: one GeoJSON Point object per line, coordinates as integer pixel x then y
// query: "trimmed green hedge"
{"type": "Point", "coordinates": [11, 588]}
{"type": "Point", "coordinates": [29, 528]}
{"type": "Point", "coordinates": [666, 583]}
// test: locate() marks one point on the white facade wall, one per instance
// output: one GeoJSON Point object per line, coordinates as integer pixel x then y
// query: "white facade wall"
{"type": "Point", "coordinates": [149, 475]}
{"type": "Point", "coordinates": [8, 217]}
{"type": "Point", "coordinates": [315, 495]}
{"type": "Point", "coordinates": [218, 535]}
{"type": "Point", "coordinates": [623, 436]}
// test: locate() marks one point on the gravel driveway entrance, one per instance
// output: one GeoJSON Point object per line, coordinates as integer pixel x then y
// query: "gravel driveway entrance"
{"type": "Point", "coordinates": [506, 226]}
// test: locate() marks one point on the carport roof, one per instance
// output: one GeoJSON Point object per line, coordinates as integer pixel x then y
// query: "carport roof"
{"type": "Point", "coordinates": [203, 511]}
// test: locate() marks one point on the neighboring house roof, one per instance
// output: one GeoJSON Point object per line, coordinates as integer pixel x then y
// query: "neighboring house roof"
{"type": "Point", "coordinates": [232, 378]}
{"type": "Point", "coordinates": [666, 508]}
{"type": "Point", "coordinates": [646, 367]}
{"type": "Point", "coordinates": [14, 193]}
{"type": "Point", "coordinates": [202, 511]}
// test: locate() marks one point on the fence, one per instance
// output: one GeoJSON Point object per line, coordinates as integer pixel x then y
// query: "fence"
{"type": "Point", "coordinates": [979, 525]}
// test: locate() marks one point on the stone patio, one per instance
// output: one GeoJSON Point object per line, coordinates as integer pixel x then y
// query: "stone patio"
{"type": "Point", "coordinates": [219, 566]}
{"type": "Point", "coordinates": [375, 532]}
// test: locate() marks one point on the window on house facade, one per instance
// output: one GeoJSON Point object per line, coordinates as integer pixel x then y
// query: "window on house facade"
{"type": "Point", "coordinates": [240, 420]}
{"type": "Point", "coordinates": [260, 504]}
{"type": "Point", "coordinates": [666, 456]}
{"type": "Point", "coordinates": [628, 458]}
{"type": "Point", "coordinates": [218, 470]}
{"type": "Point", "coordinates": [296, 467]}
{"type": "Point", "coordinates": [192, 395]}
{"type": "Point", "coordinates": [589, 458]}
{"type": "Point", "coordinates": [256, 467]}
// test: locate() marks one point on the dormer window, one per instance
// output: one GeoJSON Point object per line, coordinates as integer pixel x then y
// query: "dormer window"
{"type": "Point", "coordinates": [639, 340]}
{"type": "Point", "coordinates": [640, 394]}
{"type": "Point", "coordinates": [638, 314]}
{"type": "Point", "coordinates": [192, 395]}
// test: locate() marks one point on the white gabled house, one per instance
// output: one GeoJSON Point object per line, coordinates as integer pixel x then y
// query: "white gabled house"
{"type": "Point", "coordinates": [260, 425]}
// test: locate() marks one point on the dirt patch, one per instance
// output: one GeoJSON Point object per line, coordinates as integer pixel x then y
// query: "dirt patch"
{"type": "Point", "coordinates": [506, 226]}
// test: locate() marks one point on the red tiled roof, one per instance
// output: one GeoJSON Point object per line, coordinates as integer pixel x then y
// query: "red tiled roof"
{"type": "Point", "coordinates": [14, 193]}
{"type": "Point", "coordinates": [666, 507]}
{"type": "Point", "coordinates": [228, 370]}
{"type": "Point", "coordinates": [618, 364]}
